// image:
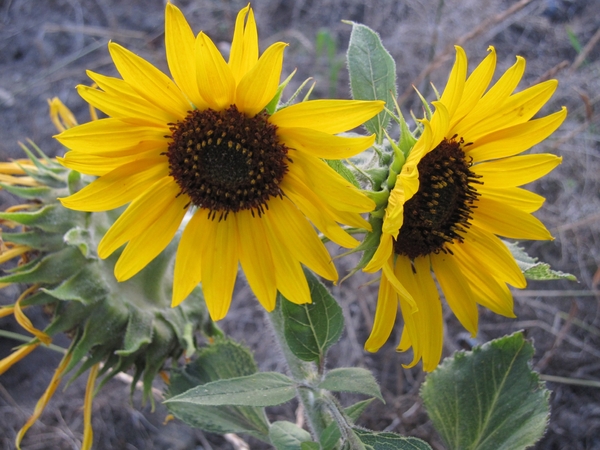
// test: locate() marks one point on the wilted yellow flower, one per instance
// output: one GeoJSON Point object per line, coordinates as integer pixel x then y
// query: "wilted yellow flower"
{"type": "Point", "coordinates": [456, 193]}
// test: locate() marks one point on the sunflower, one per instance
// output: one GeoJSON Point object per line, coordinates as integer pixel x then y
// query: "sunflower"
{"type": "Point", "coordinates": [205, 144]}
{"type": "Point", "coordinates": [456, 193]}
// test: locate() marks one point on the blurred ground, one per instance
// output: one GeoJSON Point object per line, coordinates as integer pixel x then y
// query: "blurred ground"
{"type": "Point", "coordinates": [46, 46]}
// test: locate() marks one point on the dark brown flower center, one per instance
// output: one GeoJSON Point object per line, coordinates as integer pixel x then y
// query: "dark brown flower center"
{"type": "Point", "coordinates": [226, 161]}
{"type": "Point", "coordinates": [442, 207]}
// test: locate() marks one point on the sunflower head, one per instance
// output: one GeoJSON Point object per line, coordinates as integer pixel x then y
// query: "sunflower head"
{"type": "Point", "coordinates": [129, 326]}
{"type": "Point", "coordinates": [456, 193]}
{"type": "Point", "coordinates": [210, 149]}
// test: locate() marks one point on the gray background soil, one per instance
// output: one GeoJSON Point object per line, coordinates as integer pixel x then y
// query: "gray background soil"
{"type": "Point", "coordinates": [45, 47]}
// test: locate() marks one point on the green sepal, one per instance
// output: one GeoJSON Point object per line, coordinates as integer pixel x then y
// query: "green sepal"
{"type": "Point", "coordinates": [50, 269]}
{"type": "Point", "coordinates": [37, 240]}
{"type": "Point", "coordinates": [533, 269]}
{"type": "Point", "coordinates": [272, 105]}
{"type": "Point", "coordinates": [49, 218]}
{"type": "Point", "coordinates": [369, 244]}
{"type": "Point", "coordinates": [389, 441]}
{"type": "Point", "coordinates": [30, 193]}
{"type": "Point", "coordinates": [85, 287]}
{"type": "Point", "coordinates": [489, 398]}
{"type": "Point", "coordinates": [82, 239]}
{"type": "Point", "coordinates": [342, 170]}
{"type": "Point", "coordinates": [372, 74]}
{"type": "Point", "coordinates": [351, 379]}
{"type": "Point", "coordinates": [140, 329]}
{"type": "Point", "coordinates": [223, 359]}
{"type": "Point", "coordinates": [287, 436]}
{"type": "Point", "coordinates": [311, 328]}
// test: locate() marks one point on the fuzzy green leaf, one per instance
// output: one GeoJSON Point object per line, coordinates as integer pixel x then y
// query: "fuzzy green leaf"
{"type": "Point", "coordinates": [331, 435]}
{"type": "Point", "coordinates": [372, 74]}
{"type": "Point", "coordinates": [389, 441]}
{"type": "Point", "coordinates": [224, 359]}
{"type": "Point", "coordinates": [351, 379]}
{"type": "Point", "coordinates": [310, 446]}
{"type": "Point", "coordinates": [310, 329]}
{"type": "Point", "coordinates": [342, 170]}
{"type": "Point", "coordinates": [287, 436]}
{"type": "Point", "coordinates": [533, 269]}
{"type": "Point", "coordinates": [488, 399]}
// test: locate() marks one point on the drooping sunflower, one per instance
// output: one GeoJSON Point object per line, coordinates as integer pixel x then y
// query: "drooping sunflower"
{"type": "Point", "coordinates": [252, 178]}
{"type": "Point", "coordinates": [457, 192]}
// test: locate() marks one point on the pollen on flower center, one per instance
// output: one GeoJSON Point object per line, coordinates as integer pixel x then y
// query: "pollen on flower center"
{"type": "Point", "coordinates": [441, 209]}
{"type": "Point", "coordinates": [226, 161]}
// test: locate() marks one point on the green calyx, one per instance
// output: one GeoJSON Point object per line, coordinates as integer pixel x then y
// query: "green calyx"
{"type": "Point", "coordinates": [127, 325]}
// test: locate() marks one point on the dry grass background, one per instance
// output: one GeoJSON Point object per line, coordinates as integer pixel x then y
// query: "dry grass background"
{"type": "Point", "coordinates": [45, 47]}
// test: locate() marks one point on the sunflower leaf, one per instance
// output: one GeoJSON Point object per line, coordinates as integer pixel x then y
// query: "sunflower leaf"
{"type": "Point", "coordinates": [331, 435]}
{"type": "Point", "coordinates": [342, 170]}
{"type": "Point", "coordinates": [389, 441]}
{"type": "Point", "coordinates": [533, 269]}
{"type": "Point", "coordinates": [310, 329]}
{"type": "Point", "coordinates": [351, 379]}
{"type": "Point", "coordinates": [372, 74]}
{"type": "Point", "coordinates": [287, 436]}
{"type": "Point", "coordinates": [488, 399]}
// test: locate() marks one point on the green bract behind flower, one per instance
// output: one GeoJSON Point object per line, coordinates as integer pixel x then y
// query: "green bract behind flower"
{"type": "Point", "coordinates": [457, 191]}
{"type": "Point", "coordinates": [252, 181]}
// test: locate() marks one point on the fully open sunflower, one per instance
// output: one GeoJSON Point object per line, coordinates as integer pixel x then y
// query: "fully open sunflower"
{"type": "Point", "coordinates": [205, 144]}
{"type": "Point", "coordinates": [456, 193]}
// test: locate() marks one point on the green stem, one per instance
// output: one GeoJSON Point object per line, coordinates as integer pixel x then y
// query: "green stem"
{"type": "Point", "coordinates": [302, 372]}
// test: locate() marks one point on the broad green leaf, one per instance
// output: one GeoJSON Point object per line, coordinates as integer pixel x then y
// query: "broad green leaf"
{"type": "Point", "coordinates": [533, 269]}
{"type": "Point", "coordinates": [389, 441]}
{"type": "Point", "coordinates": [223, 359]}
{"type": "Point", "coordinates": [331, 435]}
{"type": "Point", "coordinates": [310, 446]}
{"type": "Point", "coordinates": [351, 379]}
{"type": "Point", "coordinates": [259, 389]}
{"type": "Point", "coordinates": [372, 74]}
{"type": "Point", "coordinates": [287, 436]}
{"type": "Point", "coordinates": [488, 399]}
{"type": "Point", "coordinates": [310, 329]}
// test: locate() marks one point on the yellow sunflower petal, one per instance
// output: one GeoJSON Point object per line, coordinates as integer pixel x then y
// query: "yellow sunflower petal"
{"type": "Point", "coordinates": [388, 271]}
{"type": "Point", "coordinates": [101, 165]}
{"type": "Point", "coordinates": [109, 134]}
{"type": "Point", "coordinates": [149, 82]}
{"type": "Point", "coordinates": [16, 356]}
{"type": "Point", "coordinates": [139, 215]}
{"type": "Point", "coordinates": [497, 94]}
{"type": "Point", "coordinates": [244, 46]}
{"type": "Point", "coordinates": [487, 289]}
{"type": "Point", "coordinates": [134, 110]}
{"type": "Point", "coordinates": [181, 55]}
{"type": "Point", "coordinates": [88, 432]}
{"type": "Point", "coordinates": [517, 109]}
{"type": "Point", "coordinates": [259, 85]}
{"type": "Point", "coordinates": [382, 254]}
{"type": "Point", "coordinates": [327, 116]}
{"type": "Point", "coordinates": [505, 220]}
{"type": "Point", "coordinates": [516, 197]}
{"type": "Point", "coordinates": [330, 186]}
{"type": "Point", "coordinates": [385, 316]}
{"type": "Point", "coordinates": [24, 321]}
{"type": "Point", "coordinates": [10, 253]}
{"type": "Point", "coordinates": [188, 261]}
{"type": "Point", "coordinates": [412, 325]}
{"type": "Point", "coordinates": [516, 139]}
{"type": "Point", "coordinates": [146, 246]}
{"type": "Point", "coordinates": [440, 121]}
{"type": "Point", "coordinates": [430, 311]}
{"type": "Point", "coordinates": [113, 86]}
{"type": "Point", "coordinates": [492, 255]}
{"type": "Point", "coordinates": [457, 290]}
{"type": "Point", "coordinates": [119, 186]}
{"type": "Point", "coordinates": [475, 86]}
{"type": "Point", "coordinates": [220, 259]}
{"type": "Point", "coordinates": [215, 80]}
{"type": "Point", "coordinates": [316, 211]}
{"type": "Point", "coordinates": [291, 281]}
{"type": "Point", "coordinates": [453, 92]}
{"type": "Point", "coordinates": [288, 224]}
{"type": "Point", "coordinates": [45, 398]}
{"type": "Point", "coordinates": [256, 260]}
{"type": "Point", "coordinates": [516, 170]}
{"type": "Point", "coordinates": [324, 145]}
